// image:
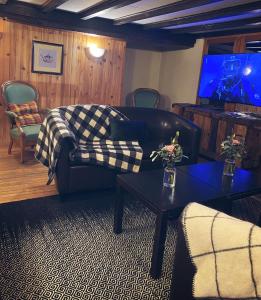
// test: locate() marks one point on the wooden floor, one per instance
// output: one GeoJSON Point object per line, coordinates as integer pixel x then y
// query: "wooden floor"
{"type": "Point", "coordinates": [22, 181]}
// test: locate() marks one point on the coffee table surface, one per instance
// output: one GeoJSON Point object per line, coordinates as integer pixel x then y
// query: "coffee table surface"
{"type": "Point", "coordinates": [211, 173]}
{"type": "Point", "coordinates": [194, 183]}
{"type": "Point", "coordinates": [201, 183]}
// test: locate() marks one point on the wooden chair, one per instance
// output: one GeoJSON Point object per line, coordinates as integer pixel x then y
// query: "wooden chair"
{"type": "Point", "coordinates": [144, 97]}
{"type": "Point", "coordinates": [19, 92]}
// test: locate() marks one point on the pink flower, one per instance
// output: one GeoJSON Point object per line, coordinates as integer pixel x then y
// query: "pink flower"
{"type": "Point", "coordinates": [169, 148]}
{"type": "Point", "coordinates": [235, 142]}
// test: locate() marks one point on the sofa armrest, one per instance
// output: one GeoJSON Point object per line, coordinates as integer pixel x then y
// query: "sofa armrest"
{"type": "Point", "coordinates": [62, 173]}
{"type": "Point", "coordinates": [190, 135]}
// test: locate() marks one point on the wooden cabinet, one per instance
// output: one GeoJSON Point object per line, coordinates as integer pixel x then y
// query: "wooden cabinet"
{"type": "Point", "coordinates": [179, 108]}
{"type": "Point", "coordinates": [249, 129]}
{"type": "Point", "coordinates": [203, 118]}
{"type": "Point", "coordinates": [216, 125]}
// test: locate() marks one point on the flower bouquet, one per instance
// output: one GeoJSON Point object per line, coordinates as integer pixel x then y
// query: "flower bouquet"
{"type": "Point", "coordinates": [233, 149]}
{"type": "Point", "coordinates": [170, 154]}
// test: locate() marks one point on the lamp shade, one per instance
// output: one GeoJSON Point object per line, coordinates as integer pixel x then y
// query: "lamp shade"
{"type": "Point", "coordinates": [96, 52]}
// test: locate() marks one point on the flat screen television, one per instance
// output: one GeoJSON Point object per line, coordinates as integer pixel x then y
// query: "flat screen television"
{"type": "Point", "coordinates": [231, 78]}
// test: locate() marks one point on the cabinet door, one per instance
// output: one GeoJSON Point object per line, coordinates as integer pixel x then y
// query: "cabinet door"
{"type": "Point", "coordinates": [253, 147]}
{"type": "Point", "coordinates": [221, 135]}
{"type": "Point", "coordinates": [204, 122]}
{"type": "Point", "coordinates": [205, 138]}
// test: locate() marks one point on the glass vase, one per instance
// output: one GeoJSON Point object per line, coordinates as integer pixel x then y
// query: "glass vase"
{"type": "Point", "coordinates": [169, 177]}
{"type": "Point", "coordinates": [229, 167]}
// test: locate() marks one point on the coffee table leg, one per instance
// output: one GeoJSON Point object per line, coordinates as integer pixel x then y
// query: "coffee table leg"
{"type": "Point", "coordinates": [158, 245]}
{"type": "Point", "coordinates": [118, 211]}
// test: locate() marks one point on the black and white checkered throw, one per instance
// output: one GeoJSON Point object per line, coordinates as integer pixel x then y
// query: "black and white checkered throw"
{"type": "Point", "coordinates": [88, 128]}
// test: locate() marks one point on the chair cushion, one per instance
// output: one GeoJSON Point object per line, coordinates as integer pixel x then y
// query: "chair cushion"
{"type": "Point", "coordinates": [31, 132]}
{"type": "Point", "coordinates": [24, 108]}
{"type": "Point", "coordinates": [27, 113]}
{"type": "Point", "coordinates": [122, 130]}
{"type": "Point", "coordinates": [28, 119]}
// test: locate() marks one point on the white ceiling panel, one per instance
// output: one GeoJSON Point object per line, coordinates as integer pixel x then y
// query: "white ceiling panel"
{"type": "Point", "coordinates": [77, 5]}
{"type": "Point", "coordinates": [37, 2]}
{"type": "Point", "coordinates": [196, 10]}
{"type": "Point", "coordinates": [135, 8]}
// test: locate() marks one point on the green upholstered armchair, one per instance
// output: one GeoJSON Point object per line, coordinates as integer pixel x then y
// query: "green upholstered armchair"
{"type": "Point", "coordinates": [144, 97]}
{"type": "Point", "coordinates": [19, 92]}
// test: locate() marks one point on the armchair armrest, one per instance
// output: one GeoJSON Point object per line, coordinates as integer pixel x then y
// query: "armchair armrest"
{"type": "Point", "coordinates": [11, 117]}
{"type": "Point", "coordinates": [190, 135]}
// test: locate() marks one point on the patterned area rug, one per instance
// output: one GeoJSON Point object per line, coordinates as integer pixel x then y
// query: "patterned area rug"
{"type": "Point", "coordinates": [53, 249]}
{"type": "Point", "coordinates": [66, 250]}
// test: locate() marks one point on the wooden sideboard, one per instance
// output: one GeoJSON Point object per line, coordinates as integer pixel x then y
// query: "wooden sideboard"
{"type": "Point", "coordinates": [216, 124]}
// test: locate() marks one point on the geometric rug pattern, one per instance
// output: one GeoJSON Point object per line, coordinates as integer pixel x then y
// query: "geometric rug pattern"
{"type": "Point", "coordinates": [51, 249]}
{"type": "Point", "coordinates": [66, 249]}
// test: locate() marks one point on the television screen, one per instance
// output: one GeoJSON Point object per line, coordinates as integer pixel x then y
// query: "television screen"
{"type": "Point", "coordinates": [231, 78]}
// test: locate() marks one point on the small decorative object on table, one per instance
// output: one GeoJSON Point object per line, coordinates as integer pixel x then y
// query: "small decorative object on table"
{"type": "Point", "coordinates": [170, 155]}
{"type": "Point", "coordinates": [233, 149]}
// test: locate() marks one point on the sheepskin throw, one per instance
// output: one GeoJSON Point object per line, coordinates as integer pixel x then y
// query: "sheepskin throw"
{"type": "Point", "coordinates": [226, 253]}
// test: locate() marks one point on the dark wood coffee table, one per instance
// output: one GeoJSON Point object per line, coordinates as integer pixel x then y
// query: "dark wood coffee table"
{"type": "Point", "coordinates": [202, 183]}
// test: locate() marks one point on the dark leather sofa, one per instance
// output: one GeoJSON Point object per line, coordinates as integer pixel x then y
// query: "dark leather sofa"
{"type": "Point", "coordinates": [161, 127]}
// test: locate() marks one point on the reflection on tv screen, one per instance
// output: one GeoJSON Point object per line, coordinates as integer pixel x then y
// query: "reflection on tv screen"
{"type": "Point", "coordinates": [231, 78]}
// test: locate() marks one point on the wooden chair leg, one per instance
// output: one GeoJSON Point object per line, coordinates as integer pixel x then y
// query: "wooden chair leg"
{"type": "Point", "coordinates": [22, 145]}
{"type": "Point", "coordinates": [10, 146]}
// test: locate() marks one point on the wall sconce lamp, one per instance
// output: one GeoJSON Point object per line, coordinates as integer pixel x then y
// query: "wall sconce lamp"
{"type": "Point", "coordinates": [95, 51]}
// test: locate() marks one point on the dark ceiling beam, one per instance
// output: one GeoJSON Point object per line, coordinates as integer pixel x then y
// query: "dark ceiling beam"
{"type": "Point", "coordinates": [50, 5]}
{"type": "Point", "coordinates": [238, 24]}
{"type": "Point", "coordinates": [214, 14]}
{"type": "Point", "coordinates": [133, 34]}
{"type": "Point", "coordinates": [101, 6]}
{"type": "Point", "coordinates": [233, 31]}
{"type": "Point", "coordinates": [163, 10]}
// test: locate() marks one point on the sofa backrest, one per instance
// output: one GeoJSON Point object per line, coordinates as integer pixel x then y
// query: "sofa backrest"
{"type": "Point", "coordinates": [162, 124]}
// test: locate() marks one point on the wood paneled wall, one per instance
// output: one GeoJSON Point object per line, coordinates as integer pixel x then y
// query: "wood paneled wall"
{"type": "Point", "coordinates": [84, 79]}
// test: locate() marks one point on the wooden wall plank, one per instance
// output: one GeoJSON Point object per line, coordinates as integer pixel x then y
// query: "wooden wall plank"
{"type": "Point", "coordinates": [84, 80]}
{"type": "Point", "coordinates": [240, 44]}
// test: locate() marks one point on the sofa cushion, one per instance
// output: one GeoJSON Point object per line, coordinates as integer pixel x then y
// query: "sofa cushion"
{"type": "Point", "coordinates": [126, 130]}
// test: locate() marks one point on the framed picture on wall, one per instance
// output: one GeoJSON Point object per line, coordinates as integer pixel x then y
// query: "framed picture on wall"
{"type": "Point", "coordinates": [47, 58]}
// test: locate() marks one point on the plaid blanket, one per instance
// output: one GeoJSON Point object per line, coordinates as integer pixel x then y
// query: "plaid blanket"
{"type": "Point", "coordinates": [226, 253]}
{"type": "Point", "coordinates": [88, 128]}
